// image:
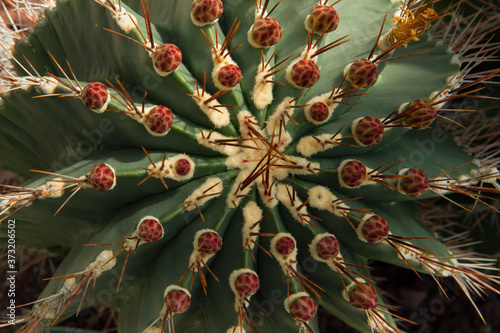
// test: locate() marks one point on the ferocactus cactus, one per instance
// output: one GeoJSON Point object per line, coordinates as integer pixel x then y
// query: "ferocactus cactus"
{"type": "Point", "coordinates": [228, 166]}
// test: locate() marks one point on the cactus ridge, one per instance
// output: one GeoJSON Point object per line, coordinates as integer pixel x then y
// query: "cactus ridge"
{"type": "Point", "coordinates": [233, 171]}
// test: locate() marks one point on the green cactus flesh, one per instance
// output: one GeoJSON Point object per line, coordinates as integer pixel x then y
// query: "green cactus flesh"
{"type": "Point", "coordinates": [285, 186]}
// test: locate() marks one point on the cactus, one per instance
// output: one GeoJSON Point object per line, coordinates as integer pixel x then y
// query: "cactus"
{"type": "Point", "coordinates": [229, 166]}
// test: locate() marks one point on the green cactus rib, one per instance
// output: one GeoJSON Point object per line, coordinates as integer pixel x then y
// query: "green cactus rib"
{"type": "Point", "coordinates": [48, 135]}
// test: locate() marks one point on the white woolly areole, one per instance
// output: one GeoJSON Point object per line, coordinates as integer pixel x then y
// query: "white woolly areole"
{"type": "Point", "coordinates": [278, 117]}
{"type": "Point", "coordinates": [236, 329]}
{"type": "Point", "coordinates": [285, 194]}
{"type": "Point", "coordinates": [219, 116]}
{"type": "Point", "coordinates": [244, 118]}
{"type": "Point", "coordinates": [320, 197]}
{"type": "Point", "coordinates": [262, 94]}
{"type": "Point", "coordinates": [125, 20]}
{"type": "Point", "coordinates": [204, 193]}
{"type": "Point", "coordinates": [268, 196]}
{"type": "Point", "coordinates": [53, 188]}
{"type": "Point", "coordinates": [208, 139]}
{"type": "Point", "coordinates": [310, 145]}
{"type": "Point", "coordinates": [304, 55]}
{"type": "Point", "coordinates": [455, 81]}
{"type": "Point", "coordinates": [68, 286]}
{"type": "Point", "coordinates": [341, 181]}
{"type": "Point", "coordinates": [283, 260]}
{"type": "Point", "coordinates": [305, 167]}
{"type": "Point", "coordinates": [131, 242]}
{"type": "Point", "coordinates": [175, 287]}
{"type": "Point", "coordinates": [439, 96]}
{"type": "Point", "coordinates": [290, 299]}
{"type": "Point", "coordinates": [383, 43]}
{"type": "Point", "coordinates": [234, 275]}
{"type": "Point", "coordinates": [48, 85]}
{"type": "Point", "coordinates": [251, 215]}
{"type": "Point", "coordinates": [168, 170]}
{"type": "Point", "coordinates": [488, 175]}
{"type": "Point", "coordinates": [314, 244]}
{"type": "Point", "coordinates": [220, 62]}
{"type": "Point", "coordinates": [324, 98]}
{"type": "Point", "coordinates": [152, 329]}
{"type": "Point", "coordinates": [202, 24]}
{"type": "Point", "coordinates": [104, 262]}
{"type": "Point", "coordinates": [236, 193]}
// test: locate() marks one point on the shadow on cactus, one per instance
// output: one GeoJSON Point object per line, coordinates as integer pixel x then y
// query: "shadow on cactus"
{"type": "Point", "coordinates": [228, 166]}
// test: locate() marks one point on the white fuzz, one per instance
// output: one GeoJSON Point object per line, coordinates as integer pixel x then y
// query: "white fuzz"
{"type": "Point", "coordinates": [310, 145]}
{"type": "Point", "coordinates": [268, 196]}
{"type": "Point", "coordinates": [152, 329]}
{"type": "Point", "coordinates": [51, 302]}
{"type": "Point", "coordinates": [489, 175]}
{"type": "Point", "coordinates": [104, 262]}
{"type": "Point", "coordinates": [402, 107]}
{"type": "Point", "coordinates": [303, 166]}
{"type": "Point", "coordinates": [125, 20]}
{"type": "Point", "coordinates": [208, 139]}
{"type": "Point", "coordinates": [236, 161]}
{"type": "Point", "coordinates": [262, 94]}
{"type": "Point", "coordinates": [236, 329]}
{"type": "Point", "coordinates": [314, 244]}
{"type": "Point", "coordinates": [383, 43]}
{"type": "Point", "coordinates": [236, 193]}
{"type": "Point", "coordinates": [445, 182]}
{"type": "Point", "coordinates": [48, 85]}
{"type": "Point", "coordinates": [325, 98]}
{"type": "Point", "coordinates": [220, 62]}
{"type": "Point", "coordinates": [320, 197]}
{"type": "Point", "coordinates": [246, 119]}
{"type": "Point", "coordinates": [278, 119]}
{"type": "Point", "coordinates": [175, 287]}
{"type": "Point", "coordinates": [68, 286]}
{"type": "Point", "coordinates": [251, 215]}
{"type": "Point", "coordinates": [290, 299]}
{"type": "Point", "coordinates": [219, 116]}
{"type": "Point", "coordinates": [168, 169]}
{"type": "Point", "coordinates": [285, 194]}
{"type": "Point", "coordinates": [202, 24]}
{"type": "Point", "coordinates": [439, 96]}
{"type": "Point", "coordinates": [52, 189]}
{"type": "Point", "coordinates": [210, 189]}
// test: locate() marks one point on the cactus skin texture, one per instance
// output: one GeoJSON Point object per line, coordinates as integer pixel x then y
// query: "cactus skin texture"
{"type": "Point", "coordinates": [236, 206]}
